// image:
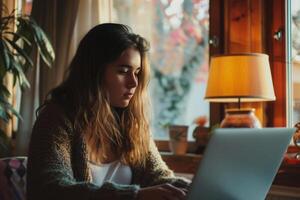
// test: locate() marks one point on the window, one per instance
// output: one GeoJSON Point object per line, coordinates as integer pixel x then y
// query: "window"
{"type": "Point", "coordinates": [178, 34]}
{"type": "Point", "coordinates": [294, 14]}
{"type": "Point", "coordinates": [26, 6]}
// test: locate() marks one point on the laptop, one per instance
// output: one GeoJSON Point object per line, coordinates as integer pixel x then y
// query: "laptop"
{"type": "Point", "coordinates": [240, 163]}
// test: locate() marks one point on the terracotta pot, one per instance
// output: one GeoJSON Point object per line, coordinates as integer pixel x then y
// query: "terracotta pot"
{"type": "Point", "coordinates": [201, 135]}
{"type": "Point", "coordinates": [240, 118]}
{"type": "Point", "coordinates": [178, 139]}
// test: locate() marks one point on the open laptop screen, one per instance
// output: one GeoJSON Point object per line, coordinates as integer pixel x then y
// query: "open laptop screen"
{"type": "Point", "coordinates": [240, 163]}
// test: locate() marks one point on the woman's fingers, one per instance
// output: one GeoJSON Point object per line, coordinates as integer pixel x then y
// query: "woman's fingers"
{"type": "Point", "coordinates": [184, 189]}
{"type": "Point", "coordinates": [174, 191]}
{"type": "Point", "coordinates": [162, 192]}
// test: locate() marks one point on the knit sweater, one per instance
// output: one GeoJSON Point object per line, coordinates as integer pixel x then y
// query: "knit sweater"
{"type": "Point", "coordinates": [58, 167]}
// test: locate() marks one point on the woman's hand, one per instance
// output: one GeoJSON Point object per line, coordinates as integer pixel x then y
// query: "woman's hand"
{"type": "Point", "coordinates": [162, 192]}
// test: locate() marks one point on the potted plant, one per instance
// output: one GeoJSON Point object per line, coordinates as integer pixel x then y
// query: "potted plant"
{"type": "Point", "coordinates": [15, 50]}
{"type": "Point", "coordinates": [178, 139]}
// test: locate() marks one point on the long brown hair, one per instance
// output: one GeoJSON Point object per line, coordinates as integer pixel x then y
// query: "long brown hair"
{"type": "Point", "coordinates": [83, 94]}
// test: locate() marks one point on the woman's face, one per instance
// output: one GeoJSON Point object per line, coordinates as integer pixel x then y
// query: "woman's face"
{"type": "Point", "coordinates": [121, 77]}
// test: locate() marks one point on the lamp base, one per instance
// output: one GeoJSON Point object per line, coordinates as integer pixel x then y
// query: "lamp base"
{"type": "Point", "coordinates": [240, 118]}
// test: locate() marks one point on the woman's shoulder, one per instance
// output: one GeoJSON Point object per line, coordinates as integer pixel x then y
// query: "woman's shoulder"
{"type": "Point", "coordinates": [51, 115]}
{"type": "Point", "coordinates": [51, 110]}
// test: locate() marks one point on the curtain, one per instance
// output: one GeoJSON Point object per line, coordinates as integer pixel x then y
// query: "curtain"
{"type": "Point", "coordinates": [65, 22]}
{"type": "Point", "coordinates": [57, 19]}
{"type": "Point", "coordinates": [90, 13]}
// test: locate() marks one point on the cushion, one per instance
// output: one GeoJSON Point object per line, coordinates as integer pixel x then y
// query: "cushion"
{"type": "Point", "coordinates": [13, 178]}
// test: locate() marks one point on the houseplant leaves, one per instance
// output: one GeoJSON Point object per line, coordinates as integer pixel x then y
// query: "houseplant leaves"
{"type": "Point", "coordinates": [15, 59]}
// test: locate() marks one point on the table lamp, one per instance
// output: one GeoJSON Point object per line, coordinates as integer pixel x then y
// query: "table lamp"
{"type": "Point", "coordinates": [240, 78]}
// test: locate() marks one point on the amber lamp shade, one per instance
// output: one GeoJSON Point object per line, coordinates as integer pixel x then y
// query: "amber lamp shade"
{"type": "Point", "coordinates": [240, 78]}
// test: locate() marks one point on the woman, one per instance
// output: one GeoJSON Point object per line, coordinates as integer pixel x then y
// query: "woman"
{"type": "Point", "coordinates": [91, 138]}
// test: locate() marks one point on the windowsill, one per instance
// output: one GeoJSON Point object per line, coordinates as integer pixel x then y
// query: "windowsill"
{"type": "Point", "coordinates": [187, 163]}
{"type": "Point", "coordinates": [280, 191]}
{"type": "Point", "coordinates": [289, 171]}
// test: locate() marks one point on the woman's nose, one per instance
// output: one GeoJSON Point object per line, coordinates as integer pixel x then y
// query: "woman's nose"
{"type": "Point", "coordinates": [133, 81]}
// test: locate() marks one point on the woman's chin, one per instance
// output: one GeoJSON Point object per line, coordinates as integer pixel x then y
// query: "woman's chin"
{"type": "Point", "coordinates": [122, 104]}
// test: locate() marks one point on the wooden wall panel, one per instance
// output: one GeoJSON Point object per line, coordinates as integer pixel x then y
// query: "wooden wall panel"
{"type": "Point", "coordinates": [275, 20]}
{"type": "Point", "coordinates": [257, 23]}
{"type": "Point", "coordinates": [237, 20]}
{"type": "Point", "coordinates": [216, 35]}
{"type": "Point", "coordinates": [243, 19]}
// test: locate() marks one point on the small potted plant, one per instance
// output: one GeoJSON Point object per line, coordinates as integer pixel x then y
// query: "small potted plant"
{"type": "Point", "coordinates": [178, 139]}
{"type": "Point", "coordinates": [200, 132]}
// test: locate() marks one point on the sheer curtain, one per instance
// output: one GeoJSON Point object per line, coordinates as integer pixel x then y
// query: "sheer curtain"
{"type": "Point", "coordinates": [65, 22]}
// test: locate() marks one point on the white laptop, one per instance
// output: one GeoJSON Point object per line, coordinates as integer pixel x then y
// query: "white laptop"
{"type": "Point", "coordinates": [240, 163]}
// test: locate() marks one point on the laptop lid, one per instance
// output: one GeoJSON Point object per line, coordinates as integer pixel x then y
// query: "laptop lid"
{"type": "Point", "coordinates": [240, 163]}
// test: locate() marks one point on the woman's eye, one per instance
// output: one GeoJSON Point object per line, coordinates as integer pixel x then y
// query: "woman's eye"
{"type": "Point", "coordinates": [123, 70]}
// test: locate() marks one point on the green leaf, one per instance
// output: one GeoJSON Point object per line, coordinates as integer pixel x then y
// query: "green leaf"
{"type": "Point", "coordinates": [5, 60]}
{"type": "Point", "coordinates": [5, 21]}
{"type": "Point", "coordinates": [15, 74]}
{"type": "Point", "coordinates": [2, 69]}
{"type": "Point", "coordinates": [4, 92]}
{"type": "Point", "coordinates": [16, 37]}
{"type": "Point", "coordinates": [21, 76]}
{"type": "Point", "coordinates": [20, 52]}
{"type": "Point", "coordinates": [29, 29]}
{"type": "Point", "coordinates": [16, 68]}
{"type": "Point", "coordinates": [15, 78]}
{"type": "Point", "coordinates": [43, 43]}
{"type": "Point", "coordinates": [25, 30]}
{"type": "Point", "coordinates": [7, 107]}
{"type": "Point", "coordinates": [4, 114]}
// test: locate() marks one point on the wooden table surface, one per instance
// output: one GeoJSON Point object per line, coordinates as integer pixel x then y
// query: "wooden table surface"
{"type": "Point", "coordinates": [287, 175]}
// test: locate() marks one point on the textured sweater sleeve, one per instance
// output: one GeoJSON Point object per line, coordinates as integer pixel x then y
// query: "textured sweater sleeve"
{"type": "Point", "coordinates": [50, 174]}
{"type": "Point", "coordinates": [156, 171]}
